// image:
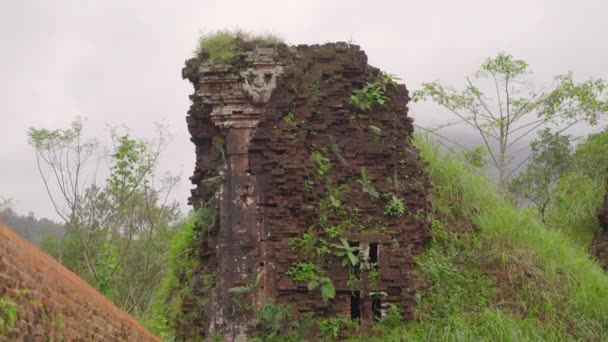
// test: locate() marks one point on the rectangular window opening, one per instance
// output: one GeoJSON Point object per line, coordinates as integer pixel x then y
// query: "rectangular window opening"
{"type": "Point", "coordinates": [355, 305]}
{"type": "Point", "coordinates": [373, 253]}
{"type": "Point", "coordinates": [377, 300]}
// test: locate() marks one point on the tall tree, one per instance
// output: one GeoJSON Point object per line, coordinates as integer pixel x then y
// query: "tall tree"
{"type": "Point", "coordinates": [501, 103]}
{"type": "Point", "coordinates": [551, 158]}
{"type": "Point", "coordinates": [117, 230]}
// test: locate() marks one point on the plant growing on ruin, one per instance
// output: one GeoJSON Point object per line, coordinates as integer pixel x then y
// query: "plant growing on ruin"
{"type": "Point", "coordinates": [8, 315]}
{"type": "Point", "coordinates": [347, 252]}
{"type": "Point", "coordinates": [310, 246]}
{"type": "Point", "coordinates": [303, 272]}
{"type": "Point", "coordinates": [353, 283]}
{"type": "Point", "coordinates": [366, 184]}
{"type": "Point", "coordinates": [308, 185]}
{"type": "Point", "coordinates": [312, 274]}
{"type": "Point", "coordinates": [271, 318]}
{"type": "Point", "coordinates": [290, 118]}
{"type": "Point", "coordinates": [373, 275]}
{"type": "Point", "coordinates": [240, 294]}
{"type": "Point", "coordinates": [221, 46]}
{"type": "Point", "coordinates": [331, 202]}
{"type": "Point", "coordinates": [378, 294]}
{"type": "Point", "coordinates": [395, 207]}
{"type": "Point", "coordinates": [390, 79]}
{"type": "Point", "coordinates": [330, 328]}
{"type": "Point", "coordinates": [326, 286]}
{"type": "Point", "coordinates": [322, 163]}
{"type": "Point", "coordinates": [333, 231]}
{"type": "Point", "coordinates": [372, 94]}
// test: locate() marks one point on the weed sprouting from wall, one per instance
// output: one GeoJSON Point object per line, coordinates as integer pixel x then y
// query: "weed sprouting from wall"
{"type": "Point", "coordinates": [222, 46]}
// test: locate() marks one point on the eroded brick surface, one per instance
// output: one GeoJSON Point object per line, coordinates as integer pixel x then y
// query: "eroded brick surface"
{"type": "Point", "coordinates": [53, 303]}
{"type": "Point", "coordinates": [271, 192]}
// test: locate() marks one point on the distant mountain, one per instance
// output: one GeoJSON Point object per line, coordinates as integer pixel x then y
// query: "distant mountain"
{"type": "Point", "coordinates": [30, 227]}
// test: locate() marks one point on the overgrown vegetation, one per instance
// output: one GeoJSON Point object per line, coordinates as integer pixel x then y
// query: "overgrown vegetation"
{"type": "Point", "coordinates": [182, 262]}
{"type": "Point", "coordinates": [116, 231]}
{"type": "Point", "coordinates": [501, 103]}
{"type": "Point", "coordinates": [367, 186]}
{"type": "Point", "coordinates": [222, 46]}
{"type": "Point", "coordinates": [506, 277]}
{"type": "Point", "coordinates": [8, 315]}
{"type": "Point", "coordinates": [321, 161]}
{"type": "Point", "coordinates": [372, 94]}
{"type": "Point", "coordinates": [566, 184]}
{"type": "Point", "coordinates": [395, 207]}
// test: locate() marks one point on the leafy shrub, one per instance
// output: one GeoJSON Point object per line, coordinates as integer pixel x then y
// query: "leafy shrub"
{"type": "Point", "coordinates": [328, 291]}
{"type": "Point", "coordinates": [272, 317]}
{"type": "Point", "coordinates": [331, 327]}
{"type": "Point", "coordinates": [312, 274]}
{"type": "Point", "coordinates": [372, 94]}
{"type": "Point", "coordinates": [290, 118]}
{"type": "Point", "coordinates": [322, 163]}
{"type": "Point", "coordinates": [8, 315]}
{"type": "Point", "coordinates": [302, 272]}
{"type": "Point", "coordinates": [366, 184]}
{"type": "Point", "coordinates": [221, 46]}
{"type": "Point", "coordinates": [181, 264]}
{"type": "Point", "coordinates": [345, 251]}
{"type": "Point", "coordinates": [395, 207]}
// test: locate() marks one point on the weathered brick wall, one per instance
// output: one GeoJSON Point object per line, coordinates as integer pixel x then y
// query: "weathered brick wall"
{"type": "Point", "coordinates": [53, 304]}
{"type": "Point", "coordinates": [255, 124]}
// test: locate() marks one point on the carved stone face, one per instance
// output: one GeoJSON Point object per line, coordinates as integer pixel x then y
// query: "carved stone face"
{"type": "Point", "coordinates": [259, 82]}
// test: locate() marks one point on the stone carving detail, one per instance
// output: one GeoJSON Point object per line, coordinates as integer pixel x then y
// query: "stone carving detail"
{"type": "Point", "coordinates": [260, 82]}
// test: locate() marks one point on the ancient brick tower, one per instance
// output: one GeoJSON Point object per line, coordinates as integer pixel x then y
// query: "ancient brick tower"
{"type": "Point", "coordinates": [298, 167]}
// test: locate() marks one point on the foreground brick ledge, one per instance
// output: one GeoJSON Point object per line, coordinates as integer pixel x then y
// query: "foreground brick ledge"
{"type": "Point", "coordinates": [54, 303]}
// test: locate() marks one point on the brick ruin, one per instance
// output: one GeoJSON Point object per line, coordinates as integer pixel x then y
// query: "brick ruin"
{"type": "Point", "coordinates": [260, 125]}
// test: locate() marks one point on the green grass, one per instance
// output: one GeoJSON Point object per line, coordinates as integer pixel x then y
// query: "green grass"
{"type": "Point", "coordinates": [8, 315]}
{"type": "Point", "coordinates": [222, 46]}
{"type": "Point", "coordinates": [493, 272]}
{"type": "Point", "coordinates": [166, 308]}
{"type": "Point", "coordinates": [508, 279]}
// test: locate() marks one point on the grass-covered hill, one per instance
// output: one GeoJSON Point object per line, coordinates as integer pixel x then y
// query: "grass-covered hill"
{"type": "Point", "coordinates": [494, 272]}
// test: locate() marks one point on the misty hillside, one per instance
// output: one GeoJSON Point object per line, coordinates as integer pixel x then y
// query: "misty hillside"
{"type": "Point", "coordinates": [31, 228]}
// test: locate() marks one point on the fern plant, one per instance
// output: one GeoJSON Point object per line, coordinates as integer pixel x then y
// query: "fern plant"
{"type": "Point", "coordinates": [366, 184]}
{"type": "Point", "coordinates": [395, 207]}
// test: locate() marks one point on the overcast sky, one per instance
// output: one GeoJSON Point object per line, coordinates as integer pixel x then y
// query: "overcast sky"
{"type": "Point", "coordinates": [119, 61]}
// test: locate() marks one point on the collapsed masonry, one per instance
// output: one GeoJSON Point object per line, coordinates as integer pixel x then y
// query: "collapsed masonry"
{"type": "Point", "coordinates": [289, 157]}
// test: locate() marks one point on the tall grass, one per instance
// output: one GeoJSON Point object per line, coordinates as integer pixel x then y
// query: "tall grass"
{"type": "Point", "coordinates": [510, 279]}
{"type": "Point", "coordinates": [221, 46]}
{"type": "Point", "coordinates": [181, 264]}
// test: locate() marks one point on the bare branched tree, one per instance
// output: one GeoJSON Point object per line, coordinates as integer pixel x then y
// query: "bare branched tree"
{"type": "Point", "coordinates": [116, 230]}
{"type": "Point", "coordinates": [513, 109]}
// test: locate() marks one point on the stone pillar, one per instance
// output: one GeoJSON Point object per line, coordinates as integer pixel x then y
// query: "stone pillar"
{"type": "Point", "coordinates": [237, 104]}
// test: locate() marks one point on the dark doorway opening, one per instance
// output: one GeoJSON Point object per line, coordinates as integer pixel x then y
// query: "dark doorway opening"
{"type": "Point", "coordinates": [355, 305]}
{"type": "Point", "coordinates": [377, 299]}
{"type": "Point", "coordinates": [373, 253]}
